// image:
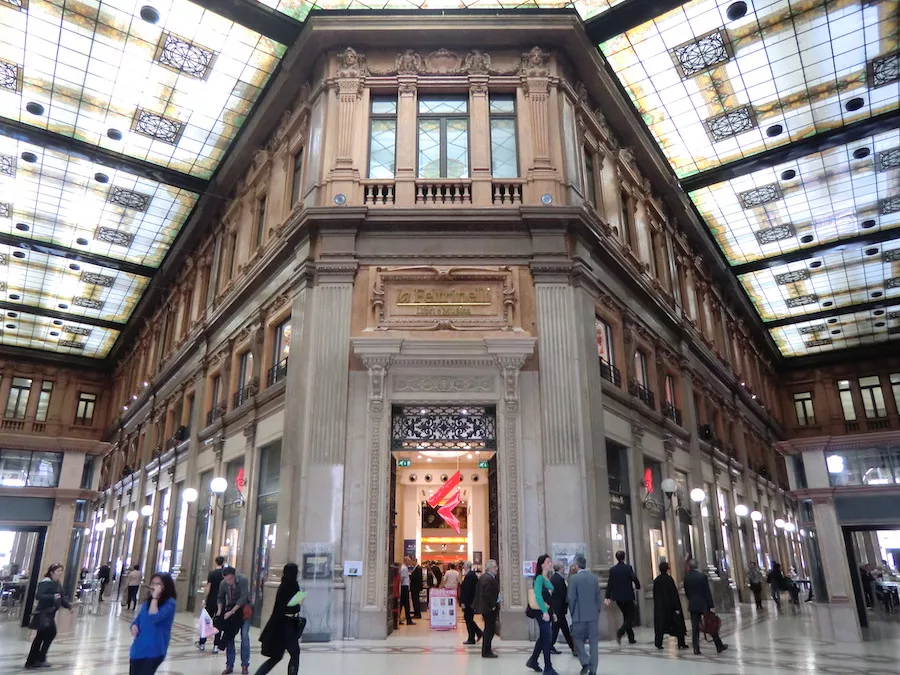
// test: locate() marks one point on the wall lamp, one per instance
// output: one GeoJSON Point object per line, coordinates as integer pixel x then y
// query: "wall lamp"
{"type": "Point", "coordinates": [217, 487]}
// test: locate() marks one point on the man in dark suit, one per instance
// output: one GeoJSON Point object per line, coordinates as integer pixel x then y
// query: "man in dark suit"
{"type": "Point", "coordinates": [415, 588]}
{"type": "Point", "coordinates": [700, 601]}
{"type": "Point", "coordinates": [467, 592]}
{"type": "Point", "coordinates": [559, 606]}
{"type": "Point", "coordinates": [487, 603]}
{"type": "Point", "coordinates": [620, 590]}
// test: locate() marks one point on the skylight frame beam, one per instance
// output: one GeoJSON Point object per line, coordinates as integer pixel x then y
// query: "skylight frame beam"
{"type": "Point", "coordinates": [868, 306]}
{"type": "Point", "coordinates": [75, 255]}
{"type": "Point", "coordinates": [625, 16]}
{"type": "Point", "coordinates": [7, 306]}
{"type": "Point", "coordinates": [257, 17]}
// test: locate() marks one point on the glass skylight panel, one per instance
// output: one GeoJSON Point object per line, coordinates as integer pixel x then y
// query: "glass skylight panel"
{"type": "Point", "coordinates": [51, 282]}
{"type": "Point", "coordinates": [177, 91]}
{"type": "Point", "coordinates": [71, 338]}
{"type": "Point", "coordinates": [300, 9]}
{"type": "Point", "coordinates": [817, 199]}
{"type": "Point", "coordinates": [858, 329]}
{"type": "Point", "coordinates": [71, 202]}
{"type": "Point", "coordinates": [713, 90]}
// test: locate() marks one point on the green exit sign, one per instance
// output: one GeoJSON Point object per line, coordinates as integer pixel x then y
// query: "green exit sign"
{"type": "Point", "coordinates": [404, 462]}
{"type": "Point", "coordinates": [483, 465]}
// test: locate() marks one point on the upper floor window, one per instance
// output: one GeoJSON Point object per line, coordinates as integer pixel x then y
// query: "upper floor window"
{"type": "Point", "coordinates": [24, 468]}
{"type": "Point", "coordinates": [84, 412]}
{"type": "Point", "coordinates": [245, 369]}
{"type": "Point", "coordinates": [382, 137]}
{"type": "Point", "coordinates": [43, 404]}
{"type": "Point", "coordinates": [443, 124]}
{"type": "Point", "coordinates": [872, 397]}
{"type": "Point", "coordinates": [232, 254]}
{"type": "Point", "coordinates": [640, 369]}
{"type": "Point", "coordinates": [895, 388]}
{"type": "Point", "coordinates": [17, 403]}
{"type": "Point", "coordinates": [504, 156]}
{"type": "Point", "coordinates": [281, 342]}
{"type": "Point", "coordinates": [590, 186]}
{"type": "Point", "coordinates": [296, 175]}
{"type": "Point", "coordinates": [670, 389]}
{"type": "Point", "coordinates": [846, 400]}
{"type": "Point", "coordinates": [87, 473]}
{"type": "Point", "coordinates": [605, 341]}
{"type": "Point", "coordinates": [214, 393]}
{"type": "Point", "coordinates": [803, 404]}
{"type": "Point", "coordinates": [626, 215]}
{"type": "Point", "coordinates": [260, 221]}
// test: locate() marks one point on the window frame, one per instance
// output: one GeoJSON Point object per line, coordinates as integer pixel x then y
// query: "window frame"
{"type": "Point", "coordinates": [845, 400]}
{"type": "Point", "coordinates": [260, 231]}
{"type": "Point", "coordinates": [894, 381]}
{"type": "Point", "coordinates": [590, 176]}
{"type": "Point", "coordinates": [443, 118]}
{"type": "Point", "coordinates": [40, 416]}
{"type": "Point", "coordinates": [297, 176]}
{"type": "Point", "coordinates": [670, 394]}
{"type": "Point", "coordinates": [808, 417]}
{"type": "Point", "coordinates": [245, 362]}
{"type": "Point", "coordinates": [383, 117]}
{"type": "Point", "coordinates": [13, 413]}
{"type": "Point", "coordinates": [641, 372]}
{"type": "Point", "coordinates": [867, 393]}
{"type": "Point", "coordinates": [503, 117]}
{"type": "Point", "coordinates": [85, 420]}
{"type": "Point", "coordinates": [278, 341]}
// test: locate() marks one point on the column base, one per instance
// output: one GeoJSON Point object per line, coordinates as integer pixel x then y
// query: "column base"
{"type": "Point", "coordinates": [373, 624]}
{"type": "Point", "coordinates": [514, 625]}
{"type": "Point", "coordinates": [837, 622]}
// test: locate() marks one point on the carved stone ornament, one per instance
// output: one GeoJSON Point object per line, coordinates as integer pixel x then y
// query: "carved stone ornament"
{"type": "Point", "coordinates": [535, 63]}
{"type": "Point", "coordinates": [442, 62]}
{"type": "Point", "coordinates": [444, 298]}
{"type": "Point", "coordinates": [443, 384]}
{"type": "Point", "coordinates": [408, 63]}
{"type": "Point", "coordinates": [477, 63]}
{"type": "Point", "coordinates": [351, 64]}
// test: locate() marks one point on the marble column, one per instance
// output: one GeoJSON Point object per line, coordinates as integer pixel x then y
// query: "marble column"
{"type": "Point", "coordinates": [696, 475]}
{"type": "Point", "coordinates": [640, 535]}
{"type": "Point", "coordinates": [837, 619]}
{"type": "Point", "coordinates": [247, 518]}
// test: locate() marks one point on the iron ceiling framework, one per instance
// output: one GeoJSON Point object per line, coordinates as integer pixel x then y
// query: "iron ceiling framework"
{"type": "Point", "coordinates": [781, 123]}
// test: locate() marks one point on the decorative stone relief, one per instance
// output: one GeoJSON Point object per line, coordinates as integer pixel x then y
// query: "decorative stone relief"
{"type": "Point", "coordinates": [477, 63]}
{"type": "Point", "coordinates": [442, 62]}
{"type": "Point", "coordinates": [408, 63]}
{"type": "Point", "coordinates": [442, 384]}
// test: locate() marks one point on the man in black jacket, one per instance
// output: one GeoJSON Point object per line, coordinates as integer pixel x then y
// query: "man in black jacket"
{"type": "Point", "coordinates": [487, 603]}
{"type": "Point", "coordinates": [415, 588]}
{"type": "Point", "coordinates": [103, 576]}
{"type": "Point", "coordinates": [700, 601]}
{"type": "Point", "coordinates": [620, 590]}
{"type": "Point", "coordinates": [467, 601]}
{"type": "Point", "coordinates": [560, 607]}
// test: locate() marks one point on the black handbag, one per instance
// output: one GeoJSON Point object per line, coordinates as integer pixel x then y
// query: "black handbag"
{"type": "Point", "coordinates": [42, 620]}
{"type": "Point", "coordinates": [301, 626]}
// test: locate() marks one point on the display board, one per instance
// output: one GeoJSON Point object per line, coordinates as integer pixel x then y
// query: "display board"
{"type": "Point", "coordinates": [442, 608]}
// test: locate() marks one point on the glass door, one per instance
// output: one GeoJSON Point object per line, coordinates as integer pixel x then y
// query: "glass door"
{"type": "Point", "coordinates": [265, 545]}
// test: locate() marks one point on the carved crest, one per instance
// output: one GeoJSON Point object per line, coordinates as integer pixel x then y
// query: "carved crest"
{"type": "Point", "coordinates": [408, 63]}
{"type": "Point", "coordinates": [477, 62]}
{"type": "Point", "coordinates": [443, 61]}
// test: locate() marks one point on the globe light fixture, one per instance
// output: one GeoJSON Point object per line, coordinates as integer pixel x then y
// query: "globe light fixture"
{"type": "Point", "coordinates": [741, 511]}
{"type": "Point", "coordinates": [790, 527]}
{"type": "Point", "coordinates": [109, 522]}
{"type": "Point", "coordinates": [755, 516]}
{"type": "Point", "coordinates": [99, 527]}
{"type": "Point", "coordinates": [669, 487]}
{"type": "Point", "coordinates": [87, 530]}
{"type": "Point", "coordinates": [146, 510]}
{"type": "Point", "coordinates": [698, 495]}
{"type": "Point", "coordinates": [218, 485]}
{"type": "Point", "coordinates": [131, 516]}
{"type": "Point", "coordinates": [779, 523]}
{"type": "Point", "coordinates": [189, 495]}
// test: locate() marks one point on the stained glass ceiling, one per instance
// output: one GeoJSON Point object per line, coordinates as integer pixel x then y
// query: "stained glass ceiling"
{"type": "Point", "coordinates": [114, 115]}
{"type": "Point", "coordinates": [811, 228]}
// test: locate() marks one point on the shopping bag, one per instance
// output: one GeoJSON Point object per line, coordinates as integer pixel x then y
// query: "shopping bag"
{"type": "Point", "coordinates": [206, 625]}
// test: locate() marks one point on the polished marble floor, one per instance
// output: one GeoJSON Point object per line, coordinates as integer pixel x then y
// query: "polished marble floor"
{"type": "Point", "coordinates": [760, 644]}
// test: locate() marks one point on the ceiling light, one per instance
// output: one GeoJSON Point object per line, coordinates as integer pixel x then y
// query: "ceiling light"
{"type": "Point", "coordinates": [753, 397]}
{"type": "Point", "coordinates": [832, 320]}
{"type": "Point", "coordinates": [872, 251]}
{"type": "Point", "coordinates": [29, 157]}
{"type": "Point", "coordinates": [57, 322]}
{"type": "Point", "coordinates": [101, 177]}
{"type": "Point", "coordinates": [827, 303]}
{"type": "Point", "coordinates": [81, 241]}
{"type": "Point", "coordinates": [861, 153]}
{"type": "Point", "coordinates": [189, 495]}
{"type": "Point", "coordinates": [109, 522]}
{"type": "Point", "coordinates": [835, 464]}
{"type": "Point", "coordinates": [790, 527]}
{"type": "Point", "coordinates": [132, 516]}
{"type": "Point", "coordinates": [836, 331]}
{"type": "Point", "coordinates": [736, 10]}
{"type": "Point", "coordinates": [806, 238]}
{"type": "Point", "coordinates": [815, 264]}
{"type": "Point", "coordinates": [22, 226]}
{"type": "Point", "coordinates": [134, 397]}
{"type": "Point", "coordinates": [18, 254]}
{"type": "Point", "coordinates": [788, 174]}
{"type": "Point", "coordinates": [11, 315]}
{"type": "Point", "coordinates": [11, 326]}
{"type": "Point", "coordinates": [54, 333]}
{"type": "Point", "coordinates": [63, 305]}
{"type": "Point", "coordinates": [779, 523]}
{"type": "Point", "coordinates": [867, 224]}
{"type": "Point", "coordinates": [114, 134]}
{"type": "Point", "coordinates": [146, 384]}
{"type": "Point", "coordinates": [75, 267]}
{"type": "Point", "coordinates": [149, 14]}
{"type": "Point", "coordinates": [124, 407]}
{"type": "Point", "coordinates": [146, 510]}
{"type": "Point", "coordinates": [880, 324]}
{"type": "Point", "coordinates": [340, 199]}
{"type": "Point", "coordinates": [854, 104]}
{"type": "Point", "coordinates": [878, 312]}
{"type": "Point", "coordinates": [877, 294]}
{"type": "Point", "coordinates": [14, 296]}
{"type": "Point", "coordinates": [218, 485]}
{"type": "Point", "coordinates": [741, 510]}
{"type": "Point", "coordinates": [34, 108]}
{"type": "Point", "coordinates": [774, 130]}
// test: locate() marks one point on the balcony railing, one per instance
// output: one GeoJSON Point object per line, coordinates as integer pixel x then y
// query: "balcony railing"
{"type": "Point", "coordinates": [377, 192]}
{"type": "Point", "coordinates": [241, 396]}
{"type": "Point", "coordinates": [507, 191]}
{"type": "Point", "coordinates": [670, 411]}
{"type": "Point", "coordinates": [444, 191]}
{"type": "Point", "coordinates": [610, 373]}
{"type": "Point", "coordinates": [277, 372]}
{"type": "Point", "coordinates": [214, 414]}
{"type": "Point", "coordinates": [646, 396]}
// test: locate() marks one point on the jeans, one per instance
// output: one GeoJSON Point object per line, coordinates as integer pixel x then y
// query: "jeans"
{"type": "Point", "coordinates": [245, 646]}
{"type": "Point", "coordinates": [471, 626]}
{"type": "Point", "coordinates": [144, 666]}
{"type": "Point", "coordinates": [293, 648]}
{"type": "Point", "coordinates": [695, 632]}
{"type": "Point", "coordinates": [132, 597]}
{"type": "Point", "coordinates": [40, 645]}
{"type": "Point", "coordinates": [586, 630]}
{"type": "Point", "coordinates": [542, 644]}
{"type": "Point", "coordinates": [627, 620]}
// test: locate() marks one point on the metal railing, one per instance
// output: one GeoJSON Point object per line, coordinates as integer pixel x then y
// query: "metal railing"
{"type": "Point", "coordinates": [213, 415]}
{"type": "Point", "coordinates": [241, 396]}
{"type": "Point", "coordinates": [670, 411]}
{"type": "Point", "coordinates": [610, 373]}
{"type": "Point", "coordinates": [643, 393]}
{"type": "Point", "coordinates": [277, 372]}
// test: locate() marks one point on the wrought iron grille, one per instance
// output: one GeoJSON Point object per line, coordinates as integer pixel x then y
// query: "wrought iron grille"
{"type": "Point", "coordinates": [701, 54]}
{"type": "Point", "coordinates": [885, 69]}
{"type": "Point", "coordinates": [671, 412]}
{"type": "Point", "coordinates": [88, 303]}
{"type": "Point", "coordinates": [758, 196]}
{"type": "Point", "coordinates": [731, 123]}
{"type": "Point", "coordinates": [811, 330]}
{"type": "Point", "coordinates": [801, 300]}
{"type": "Point", "coordinates": [277, 372]}
{"type": "Point", "coordinates": [9, 76]}
{"type": "Point", "coordinates": [5, 209]}
{"type": "Point", "coordinates": [821, 342]}
{"type": "Point", "coordinates": [117, 237]}
{"type": "Point", "coordinates": [444, 428]}
{"type": "Point", "coordinates": [97, 279]}
{"type": "Point", "coordinates": [7, 165]}
{"type": "Point", "coordinates": [777, 233]}
{"type": "Point", "coordinates": [77, 330]}
{"type": "Point", "coordinates": [242, 395]}
{"type": "Point", "coordinates": [129, 199]}
{"type": "Point", "coordinates": [887, 159]}
{"type": "Point", "coordinates": [791, 277]}
{"type": "Point", "coordinates": [643, 393]}
{"type": "Point", "coordinates": [185, 57]}
{"type": "Point", "coordinates": [610, 373]}
{"type": "Point", "coordinates": [889, 205]}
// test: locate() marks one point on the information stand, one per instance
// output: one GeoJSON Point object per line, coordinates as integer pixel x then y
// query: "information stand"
{"type": "Point", "coordinates": [442, 609]}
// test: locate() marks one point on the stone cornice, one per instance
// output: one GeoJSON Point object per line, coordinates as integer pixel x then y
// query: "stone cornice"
{"type": "Point", "coordinates": [831, 443]}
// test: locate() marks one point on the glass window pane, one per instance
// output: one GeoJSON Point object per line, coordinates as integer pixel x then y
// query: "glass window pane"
{"type": "Point", "coordinates": [43, 406]}
{"type": "Point", "coordinates": [503, 104]}
{"type": "Point", "coordinates": [14, 467]}
{"type": "Point", "coordinates": [282, 343]}
{"type": "Point", "coordinates": [504, 162]}
{"type": "Point", "coordinates": [45, 467]}
{"type": "Point", "coordinates": [295, 179]}
{"type": "Point", "coordinates": [382, 148]}
{"type": "Point", "coordinates": [382, 105]}
{"type": "Point", "coordinates": [871, 381]}
{"type": "Point", "coordinates": [457, 148]}
{"type": "Point", "coordinates": [449, 105]}
{"type": "Point", "coordinates": [895, 388]}
{"type": "Point", "coordinates": [846, 400]}
{"type": "Point", "coordinates": [590, 187]}
{"type": "Point", "coordinates": [429, 148]}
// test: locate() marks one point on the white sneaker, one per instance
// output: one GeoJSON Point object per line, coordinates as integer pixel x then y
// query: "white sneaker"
{"type": "Point", "coordinates": [215, 650]}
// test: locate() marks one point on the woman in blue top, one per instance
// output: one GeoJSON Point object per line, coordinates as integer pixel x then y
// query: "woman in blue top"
{"type": "Point", "coordinates": [543, 592]}
{"type": "Point", "coordinates": [152, 627]}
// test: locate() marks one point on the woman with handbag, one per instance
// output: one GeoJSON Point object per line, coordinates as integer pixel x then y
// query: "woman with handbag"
{"type": "Point", "coordinates": [152, 627]}
{"type": "Point", "coordinates": [49, 598]}
{"type": "Point", "coordinates": [539, 601]}
{"type": "Point", "coordinates": [283, 629]}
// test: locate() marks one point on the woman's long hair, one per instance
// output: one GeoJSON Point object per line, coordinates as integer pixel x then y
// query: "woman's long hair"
{"type": "Point", "coordinates": [52, 569]}
{"type": "Point", "coordinates": [289, 576]}
{"type": "Point", "coordinates": [540, 564]}
{"type": "Point", "coordinates": [168, 591]}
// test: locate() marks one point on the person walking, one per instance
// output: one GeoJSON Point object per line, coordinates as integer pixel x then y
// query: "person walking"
{"type": "Point", "coordinates": [559, 605]}
{"type": "Point", "coordinates": [583, 597]}
{"type": "Point", "coordinates": [667, 616]}
{"type": "Point", "coordinates": [133, 585]}
{"type": "Point", "coordinates": [416, 582]}
{"type": "Point", "coordinates": [543, 595]}
{"type": "Point", "coordinates": [467, 593]}
{"type": "Point", "coordinates": [213, 582]}
{"type": "Point", "coordinates": [404, 591]}
{"type": "Point", "coordinates": [233, 606]}
{"type": "Point", "coordinates": [487, 603]}
{"type": "Point", "coordinates": [282, 631]}
{"type": "Point", "coordinates": [152, 627]}
{"type": "Point", "coordinates": [621, 587]}
{"type": "Point", "coordinates": [776, 583]}
{"type": "Point", "coordinates": [103, 576]}
{"type": "Point", "coordinates": [451, 578]}
{"type": "Point", "coordinates": [700, 602]}
{"type": "Point", "coordinates": [49, 598]}
{"type": "Point", "coordinates": [754, 578]}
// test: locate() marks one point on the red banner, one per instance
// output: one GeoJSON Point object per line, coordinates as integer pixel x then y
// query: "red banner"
{"type": "Point", "coordinates": [451, 501]}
